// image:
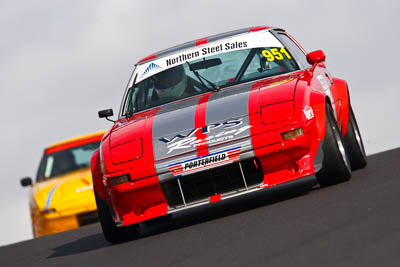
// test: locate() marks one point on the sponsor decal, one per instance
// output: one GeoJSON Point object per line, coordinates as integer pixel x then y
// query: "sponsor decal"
{"type": "Point", "coordinates": [206, 162]}
{"type": "Point", "coordinates": [152, 66]}
{"type": "Point", "coordinates": [224, 47]}
{"type": "Point", "coordinates": [323, 82]}
{"type": "Point", "coordinates": [308, 112]}
{"type": "Point", "coordinates": [230, 129]}
{"type": "Point", "coordinates": [244, 41]}
{"type": "Point", "coordinates": [182, 58]}
{"type": "Point", "coordinates": [84, 188]}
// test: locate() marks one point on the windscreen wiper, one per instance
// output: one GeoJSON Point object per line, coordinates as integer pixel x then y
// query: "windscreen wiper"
{"type": "Point", "coordinates": [215, 88]}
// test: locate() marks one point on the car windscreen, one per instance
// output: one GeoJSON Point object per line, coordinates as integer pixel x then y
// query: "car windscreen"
{"type": "Point", "coordinates": [235, 67]}
{"type": "Point", "coordinates": [224, 64]}
{"type": "Point", "coordinates": [65, 161]}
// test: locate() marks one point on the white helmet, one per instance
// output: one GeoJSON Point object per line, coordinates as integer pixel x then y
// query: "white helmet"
{"type": "Point", "coordinates": [171, 82]}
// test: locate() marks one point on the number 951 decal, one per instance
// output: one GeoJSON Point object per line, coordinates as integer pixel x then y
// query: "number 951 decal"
{"type": "Point", "coordinates": [275, 53]}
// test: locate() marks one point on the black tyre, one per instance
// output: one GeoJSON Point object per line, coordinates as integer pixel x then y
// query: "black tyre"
{"type": "Point", "coordinates": [159, 220]}
{"type": "Point", "coordinates": [336, 164]}
{"type": "Point", "coordinates": [354, 144]}
{"type": "Point", "coordinates": [111, 232]}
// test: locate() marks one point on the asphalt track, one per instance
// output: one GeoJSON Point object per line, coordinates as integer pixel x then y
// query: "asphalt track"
{"type": "Point", "coordinates": [356, 223]}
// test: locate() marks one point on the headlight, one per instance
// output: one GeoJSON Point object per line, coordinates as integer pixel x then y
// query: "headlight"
{"type": "Point", "coordinates": [48, 211]}
{"type": "Point", "coordinates": [293, 134]}
{"type": "Point", "coordinates": [119, 180]}
{"type": "Point", "coordinates": [127, 151]}
{"type": "Point", "coordinates": [277, 112]}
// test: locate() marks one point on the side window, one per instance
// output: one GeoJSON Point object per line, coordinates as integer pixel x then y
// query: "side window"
{"type": "Point", "coordinates": [127, 101]}
{"type": "Point", "coordinates": [41, 170]}
{"type": "Point", "coordinates": [296, 51]}
{"type": "Point", "coordinates": [83, 153]}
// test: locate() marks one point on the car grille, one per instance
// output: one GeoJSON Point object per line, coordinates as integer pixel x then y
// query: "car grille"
{"type": "Point", "coordinates": [87, 218]}
{"type": "Point", "coordinates": [222, 180]}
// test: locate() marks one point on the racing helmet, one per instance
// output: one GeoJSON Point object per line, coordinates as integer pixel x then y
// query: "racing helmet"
{"type": "Point", "coordinates": [171, 82]}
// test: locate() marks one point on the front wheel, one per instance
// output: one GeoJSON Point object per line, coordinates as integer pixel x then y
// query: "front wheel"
{"type": "Point", "coordinates": [336, 164]}
{"type": "Point", "coordinates": [111, 232]}
{"type": "Point", "coordinates": [354, 143]}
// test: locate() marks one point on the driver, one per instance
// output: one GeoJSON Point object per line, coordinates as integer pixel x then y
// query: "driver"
{"type": "Point", "coordinates": [172, 83]}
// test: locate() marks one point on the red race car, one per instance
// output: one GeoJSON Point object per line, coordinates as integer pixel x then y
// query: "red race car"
{"type": "Point", "coordinates": [220, 117]}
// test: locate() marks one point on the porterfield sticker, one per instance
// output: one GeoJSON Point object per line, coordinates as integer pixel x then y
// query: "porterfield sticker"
{"type": "Point", "coordinates": [206, 162]}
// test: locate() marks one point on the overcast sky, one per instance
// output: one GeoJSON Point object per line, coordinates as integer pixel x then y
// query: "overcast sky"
{"type": "Point", "coordinates": [62, 61]}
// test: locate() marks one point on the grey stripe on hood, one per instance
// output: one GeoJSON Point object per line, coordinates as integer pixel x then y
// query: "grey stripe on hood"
{"type": "Point", "coordinates": [227, 126]}
{"type": "Point", "coordinates": [230, 104]}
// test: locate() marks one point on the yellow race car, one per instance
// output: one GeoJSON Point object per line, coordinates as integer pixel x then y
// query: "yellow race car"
{"type": "Point", "coordinates": [62, 196]}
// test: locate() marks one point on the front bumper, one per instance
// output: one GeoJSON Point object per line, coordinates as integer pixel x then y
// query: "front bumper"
{"type": "Point", "coordinates": [277, 160]}
{"type": "Point", "coordinates": [52, 223]}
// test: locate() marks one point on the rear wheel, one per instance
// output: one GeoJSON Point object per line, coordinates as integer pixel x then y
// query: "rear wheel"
{"type": "Point", "coordinates": [354, 144]}
{"type": "Point", "coordinates": [335, 165]}
{"type": "Point", "coordinates": [111, 232]}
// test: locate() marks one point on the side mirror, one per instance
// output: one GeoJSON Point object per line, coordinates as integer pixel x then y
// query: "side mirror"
{"type": "Point", "coordinates": [26, 181]}
{"type": "Point", "coordinates": [106, 113]}
{"type": "Point", "coordinates": [315, 57]}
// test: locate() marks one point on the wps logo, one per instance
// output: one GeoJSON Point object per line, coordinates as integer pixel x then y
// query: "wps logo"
{"type": "Point", "coordinates": [206, 129]}
{"type": "Point", "coordinates": [226, 130]}
{"type": "Point", "coordinates": [150, 67]}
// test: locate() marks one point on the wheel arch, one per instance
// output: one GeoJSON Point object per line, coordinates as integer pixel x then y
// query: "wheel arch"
{"type": "Point", "coordinates": [340, 92]}
{"type": "Point", "coordinates": [318, 101]}
{"type": "Point", "coordinates": [97, 175]}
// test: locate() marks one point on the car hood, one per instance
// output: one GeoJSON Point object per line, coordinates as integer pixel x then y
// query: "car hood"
{"type": "Point", "coordinates": [62, 192]}
{"type": "Point", "coordinates": [182, 127]}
